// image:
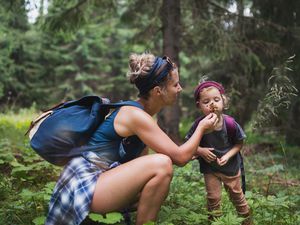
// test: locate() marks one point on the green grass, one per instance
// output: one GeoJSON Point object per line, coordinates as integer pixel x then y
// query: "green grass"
{"type": "Point", "coordinates": [272, 173]}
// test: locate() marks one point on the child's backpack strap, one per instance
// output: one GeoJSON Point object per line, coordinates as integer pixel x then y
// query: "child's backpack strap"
{"type": "Point", "coordinates": [230, 126]}
{"type": "Point", "coordinates": [231, 131]}
{"type": "Point", "coordinates": [243, 174]}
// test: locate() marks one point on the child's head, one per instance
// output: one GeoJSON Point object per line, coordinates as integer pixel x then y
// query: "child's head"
{"type": "Point", "coordinates": [210, 97]}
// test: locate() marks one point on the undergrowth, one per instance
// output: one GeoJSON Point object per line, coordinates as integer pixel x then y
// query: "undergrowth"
{"type": "Point", "coordinates": [272, 176]}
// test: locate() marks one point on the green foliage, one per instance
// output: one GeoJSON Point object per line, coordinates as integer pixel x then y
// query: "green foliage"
{"type": "Point", "coordinates": [150, 223]}
{"type": "Point", "coordinates": [109, 218]}
{"type": "Point", "coordinates": [84, 47]}
{"type": "Point", "coordinates": [25, 180]}
{"type": "Point", "coordinates": [228, 219]}
{"type": "Point", "coordinates": [184, 126]}
{"type": "Point", "coordinates": [39, 220]}
{"type": "Point", "coordinates": [274, 209]}
{"type": "Point", "coordinates": [42, 68]}
{"type": "Point", "coordinates": [186, 203]}
{"type": "Point", "coordinates": [279, 95]}
{"type": "Point", "coordinates": [26, 184]}
{"type": "Point", "coordinates": [45, 67]}
{"type": "Point", "coordinates": [21, 77]}
{"type": "Point", "coordinates": [68, 16]}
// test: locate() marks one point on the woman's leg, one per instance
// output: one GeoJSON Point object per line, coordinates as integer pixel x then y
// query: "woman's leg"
{"type": "Point", "coordinates": [149, 176]}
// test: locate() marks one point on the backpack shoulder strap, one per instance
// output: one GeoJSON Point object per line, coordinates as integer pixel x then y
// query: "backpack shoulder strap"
{"type": "Point", "coordinates": [84, 101]}
{"type": "Point", "coordinates": [230, 126]}
{"type": "Point", "coordinates": [123, 103]}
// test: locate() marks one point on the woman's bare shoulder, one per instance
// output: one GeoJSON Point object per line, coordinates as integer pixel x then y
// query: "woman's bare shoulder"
{"type": "Point", "coordinates": [130, 119]}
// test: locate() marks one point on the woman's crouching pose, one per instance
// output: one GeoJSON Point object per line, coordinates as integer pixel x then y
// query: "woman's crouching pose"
{"type": "Point", "coordinates": [117, 171]}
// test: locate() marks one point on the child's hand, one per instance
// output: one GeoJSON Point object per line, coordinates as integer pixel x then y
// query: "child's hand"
{"type": "Point", "coordinates": [223, 160]}
{"type": "Point", "coordinates": [209, 122]}
{"type": "Point", "coordinates": [206, 154]}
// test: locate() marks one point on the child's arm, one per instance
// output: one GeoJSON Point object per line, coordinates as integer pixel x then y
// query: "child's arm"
{"type": "Point", "coordinates": [235, 149]}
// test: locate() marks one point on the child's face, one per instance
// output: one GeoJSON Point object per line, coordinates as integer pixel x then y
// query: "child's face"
{"type": "Point", "coordinates": [210, 100]}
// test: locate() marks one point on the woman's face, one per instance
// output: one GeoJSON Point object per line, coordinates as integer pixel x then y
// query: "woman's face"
{"type": "Point", "coordinates": [211, 101]}
{"type": "Point", "coordinates": [172, 89]}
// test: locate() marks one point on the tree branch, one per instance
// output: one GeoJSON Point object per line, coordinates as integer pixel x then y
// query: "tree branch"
{"type": "Point", "coordinates": [261, 21]}
{"type": "Point", "coordinates": [66, 20]}
{"type": "Point", "coordinates": [81, 2]}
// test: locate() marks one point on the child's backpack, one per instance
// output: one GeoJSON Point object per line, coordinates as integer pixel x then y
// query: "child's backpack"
{"type": "Point", "coordinates": [61, 132]}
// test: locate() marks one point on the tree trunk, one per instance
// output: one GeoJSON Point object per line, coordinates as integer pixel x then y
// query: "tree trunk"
{"type": "Point", "coordinates": [41, 9]}
{"type": "Point", "coordinates": [240, 19]}
{"type": "Point", "coordinates": [292, 131]}
{"type": "Point", "coordinates": [168, 118]}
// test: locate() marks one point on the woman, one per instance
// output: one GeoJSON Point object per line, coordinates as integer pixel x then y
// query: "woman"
{"type": "Point", "coordinates": [111, 176]}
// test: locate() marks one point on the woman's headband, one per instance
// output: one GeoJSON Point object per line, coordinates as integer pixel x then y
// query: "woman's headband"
{"type": "Point", "coordinates": [207, 84]}
{"type": "Point", "coordinates": [160, 69]}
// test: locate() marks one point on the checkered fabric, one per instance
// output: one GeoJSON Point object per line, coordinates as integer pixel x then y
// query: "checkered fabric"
{"type": "Point", "coordinates": [73, 193]}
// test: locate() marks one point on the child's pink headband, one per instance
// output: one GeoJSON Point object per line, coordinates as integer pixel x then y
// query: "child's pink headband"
{"type": "Point", "coordinates": [207, 84]}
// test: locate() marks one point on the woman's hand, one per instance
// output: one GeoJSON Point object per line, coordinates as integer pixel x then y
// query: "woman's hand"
{"type": "Point", "coordinates": [206, 154]}
{"type": "Point", "coordinates": [209, 122]}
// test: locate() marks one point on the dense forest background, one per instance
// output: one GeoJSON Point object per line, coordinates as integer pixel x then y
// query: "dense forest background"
{"type": "Point", "coordinates": [79, 47]}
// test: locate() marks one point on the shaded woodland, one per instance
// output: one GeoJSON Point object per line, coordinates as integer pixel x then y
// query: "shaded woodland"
{"type": "Point", "coordinates": [81, 47]}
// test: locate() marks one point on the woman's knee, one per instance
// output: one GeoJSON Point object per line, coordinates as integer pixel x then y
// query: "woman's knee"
{"type": "Point", "coordinates": [162, 164]}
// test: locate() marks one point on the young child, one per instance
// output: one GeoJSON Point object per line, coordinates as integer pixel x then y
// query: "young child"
{"type": "Point", "coordinates": [219, 159]}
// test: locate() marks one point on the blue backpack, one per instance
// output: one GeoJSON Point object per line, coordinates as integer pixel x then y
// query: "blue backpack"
{"type": "Point", "coordinates": [61, 132]}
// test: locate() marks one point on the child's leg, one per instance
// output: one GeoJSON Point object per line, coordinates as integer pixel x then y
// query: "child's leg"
{"type": "Point", "coordinates": [213, 187]}
{"type": "Point", "coordinates": [232, 185]}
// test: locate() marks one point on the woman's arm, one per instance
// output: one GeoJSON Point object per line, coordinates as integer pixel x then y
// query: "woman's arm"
{"type": "Point", "coordinates": [134, 121]}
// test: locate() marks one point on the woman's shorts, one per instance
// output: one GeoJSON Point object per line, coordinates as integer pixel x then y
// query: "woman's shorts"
{"type": "Point", "coordinates": [73, 193]}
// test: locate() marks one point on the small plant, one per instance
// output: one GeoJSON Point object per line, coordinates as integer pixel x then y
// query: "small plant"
{"type": "Point", "coordinates": [27, 182]}
{"type": "Point", "coordinates": [279, 95]}
{"type": "Point", "coordinates": [109, 218]}
{"type": "Point", "coordinates": [228, 219]}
